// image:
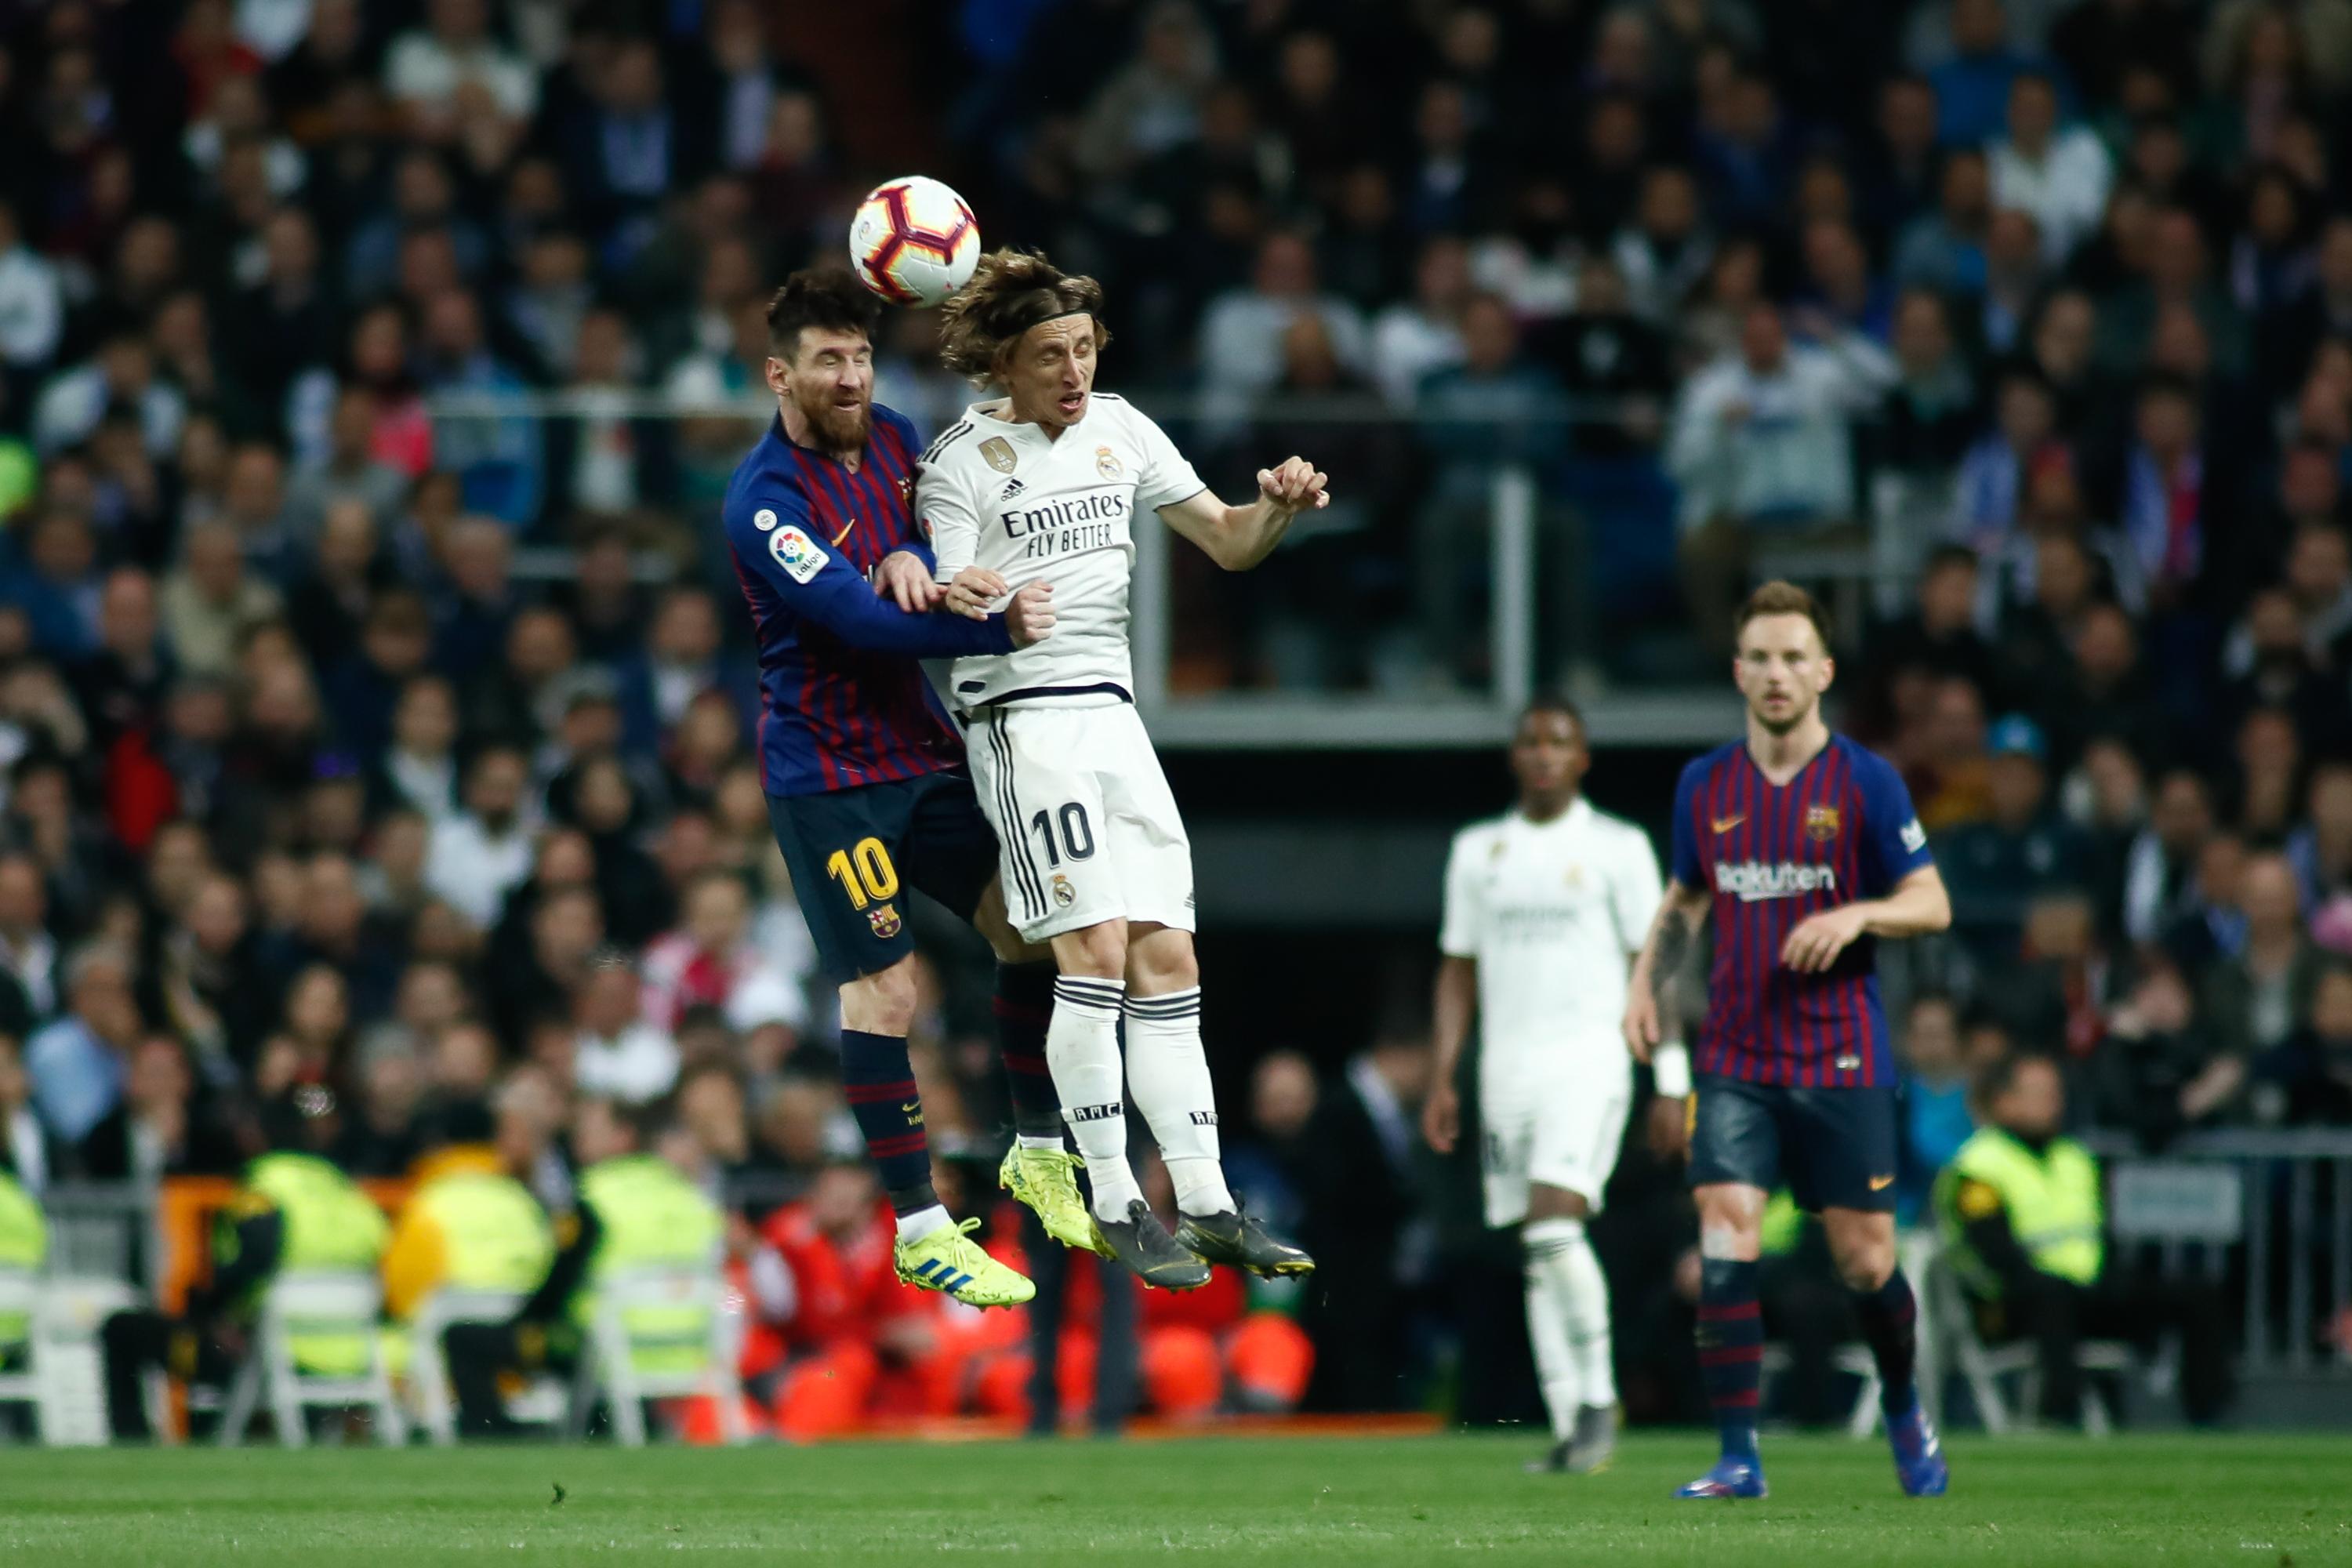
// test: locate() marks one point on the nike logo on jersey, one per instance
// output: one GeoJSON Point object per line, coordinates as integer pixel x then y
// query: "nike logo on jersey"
{"type": "Point", "coordinates": [1725, 824]}
{"type": "Point", "coordinates": [1880, 1183]}
{"type": "Point", "coordinates": [845, 530]}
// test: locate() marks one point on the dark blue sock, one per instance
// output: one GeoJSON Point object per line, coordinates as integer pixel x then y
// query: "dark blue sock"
{"type": "Point", "coordinates": [1025, 1006]}
{"type": "Point", "coordinates": [1731, 1350]}
{"type": "Point", "coordinates": [1890, 1324]}
{"type": "Point", "coordinates": [880, 1089]}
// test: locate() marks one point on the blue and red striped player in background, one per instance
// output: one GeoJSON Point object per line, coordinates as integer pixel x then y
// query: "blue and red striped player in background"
{"type": "Point", "coordinates": [1806, 848]}
{"type": "Point", "coordinates": [864, 773]}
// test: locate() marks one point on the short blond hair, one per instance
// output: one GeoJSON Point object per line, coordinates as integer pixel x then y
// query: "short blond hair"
{"type": "Point", "coordinates": [1780, 598]}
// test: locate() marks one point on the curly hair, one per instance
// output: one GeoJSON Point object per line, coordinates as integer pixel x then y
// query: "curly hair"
{"type": "Point", "coordinates": [1010, 292]}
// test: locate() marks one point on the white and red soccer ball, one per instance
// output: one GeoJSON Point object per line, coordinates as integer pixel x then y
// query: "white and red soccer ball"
{"type": "Point", "coordinates": [914, 241]}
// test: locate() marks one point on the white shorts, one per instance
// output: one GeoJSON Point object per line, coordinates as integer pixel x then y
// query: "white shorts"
{"type": "Point", "coordinates": [1087, 828]}
{"type": "Point", "coordinates": [1568, 1138]}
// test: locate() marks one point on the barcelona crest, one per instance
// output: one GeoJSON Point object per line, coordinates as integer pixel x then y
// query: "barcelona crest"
{"type": "Point", "coordinates": [885, 921]}
{"type": "Point", "coordinates": [1822, 822]}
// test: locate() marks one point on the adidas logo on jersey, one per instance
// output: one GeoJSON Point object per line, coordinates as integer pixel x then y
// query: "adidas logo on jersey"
{"type": "Point", "coordinates": [1011, 488]}
{"type": "Point", "coordinates": [1751, 882]}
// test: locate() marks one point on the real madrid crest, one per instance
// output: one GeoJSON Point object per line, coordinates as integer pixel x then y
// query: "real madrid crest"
{"type": "Point", "coordinates": [1064, 895]}
{"type": "Point", "coordinates": [999, 453]}
{"type": "Point", "coordinates": [1822, 822]}
{"type": "Point", "coordinates": [1107, 463]}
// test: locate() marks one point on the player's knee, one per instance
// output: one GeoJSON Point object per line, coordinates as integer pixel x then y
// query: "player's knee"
{"type": "Point", "coordinates": [1864, 1262]}
{"type": "Point", "coordinates": [1545, 1202]}
{"type": "Point", "coordinates": [1098, 951]}
{"type": "Point", "coordinates": [1161, 959]}
{"type": "Point", "coordinates": [1867, 1269]}
{"type": "Point", "coordinates": [1730, 1224]}
{"type": "Point", "coordinates": [995, 928]}
{"type": "Point", "coordinates": [882, 1002]}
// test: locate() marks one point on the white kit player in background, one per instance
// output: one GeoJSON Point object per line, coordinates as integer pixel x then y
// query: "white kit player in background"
{"type": "Point", "coordinates": [1045, 484]}
{"type": "Point", "coordinates": [1546, 908]}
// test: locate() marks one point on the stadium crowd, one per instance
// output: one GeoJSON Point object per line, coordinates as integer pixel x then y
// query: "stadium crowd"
{"type": "Point", "coordinates": [326, 794]}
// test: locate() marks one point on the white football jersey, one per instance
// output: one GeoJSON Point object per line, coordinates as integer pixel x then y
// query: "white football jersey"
{"type": "Point", "coordinates": [1552, 912]}
{"type": "Point", "coordinates": [1029, 507]}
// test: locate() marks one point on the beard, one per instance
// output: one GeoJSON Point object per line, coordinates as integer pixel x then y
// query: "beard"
{"type": "Point", "coordinates": [840, 429]}
{"type": "Point", "coordinates": [1781, 726]}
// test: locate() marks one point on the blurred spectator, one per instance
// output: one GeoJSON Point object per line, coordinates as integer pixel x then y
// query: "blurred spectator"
{"type": "Point", "coordinates": [1996, 866]}
{"type": "Point", "coordinates": [1945, 249]}
{"type": "Point", "coordinates": [1360, 1142]}
{"type": "Point", "coordinates": [619, 1055]}
{"type": "Point", "coordinates": [28, 1151]}
{"type": "Point", "coordinates": [710, 960]}
{"type": "Point", "coordinates": [28, 954]}
{"type": "Point", "coordinates": [77, 1062]}
{"type": "Point", "coordinates": [2260, 997]}
{"type": "Point", "coordinates": [32, 306]}
{"type": "Point", "coordinates": [484, 849]}
{"type": "Point", "coordinates": [1666, 250]}
{"type": "Point", "coordinates": [1929, 414]}
{"type": "Point", "coordinates": [160, 1128]}
{"type": "Point", "coordinates": [497, 460]}
{"type": "Point", "coordinates": [1414, 338]}
{"type": "Point", "coordinates": [1937, 1118]}
{"type": "Point", "coordinates": [427, 68]}
{"type": "Point", "coordinates": [349, 470]}
{"type": "Point", "coordinates": [2308, 1080]}
{"type": "Point", "coordinates": [1972, 85]}
{"type": "Point", "coordinates": [210, 601]}
{"type": "Point", "coordinates": [2058, 176]}
{"type": "Point", "coordinates": [1241, 334]}
{"type": "Point", "coordinates": [1760, 445]}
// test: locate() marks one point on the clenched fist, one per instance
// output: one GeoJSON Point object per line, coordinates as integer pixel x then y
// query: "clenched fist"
{"type": "Point", "coordinates": [1297, 484]}
{"type": "Point", "coordinates": [1030, 616]}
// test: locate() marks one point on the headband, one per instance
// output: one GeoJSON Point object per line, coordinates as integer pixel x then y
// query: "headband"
{"type": "Point", "coordinates": [1051, 313]}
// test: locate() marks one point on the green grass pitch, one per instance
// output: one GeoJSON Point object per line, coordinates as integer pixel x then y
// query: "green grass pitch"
{"type": "Point", "coordinates": [2249, 1500]}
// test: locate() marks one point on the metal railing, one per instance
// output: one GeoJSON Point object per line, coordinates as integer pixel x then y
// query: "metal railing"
{"type": "Point", "coordinates": [2266, 1211]}
{"type": "Point", "coordinates": [1455, 575]}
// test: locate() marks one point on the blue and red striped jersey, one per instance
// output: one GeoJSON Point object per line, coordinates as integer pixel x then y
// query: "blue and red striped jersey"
{"type": "Point", "coordinates": [842, 699]}
{"type": "Point", "coordinates": [1841, 830]}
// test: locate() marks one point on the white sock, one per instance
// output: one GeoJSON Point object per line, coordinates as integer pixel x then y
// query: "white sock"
{"type": "Point", "coordinates": [1082, 1053]}
{"type": "Point", "coordinates": [1028, 1142]}
{"type": "Point", "coordinates": [1168, 1073]}
{"type": "Point", "coordinates": [1560, 1255]}
{"type": "Point", "coordinates": [1555, 1362]}
{"type": "Point", "coordinates": [920, 1224]}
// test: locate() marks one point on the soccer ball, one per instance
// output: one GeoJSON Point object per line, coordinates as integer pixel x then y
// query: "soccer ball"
{"type": "Point", "coordinates": [914, 241]}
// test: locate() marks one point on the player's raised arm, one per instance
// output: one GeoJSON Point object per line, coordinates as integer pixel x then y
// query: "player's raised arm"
{"type": "Point", "coordinates": [772, 534]}
{"type": "Point", "coordinates": [1238, 537]}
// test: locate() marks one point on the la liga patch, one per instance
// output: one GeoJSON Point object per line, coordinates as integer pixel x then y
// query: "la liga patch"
{"type": "Point", "coordinates": [797, 554]}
